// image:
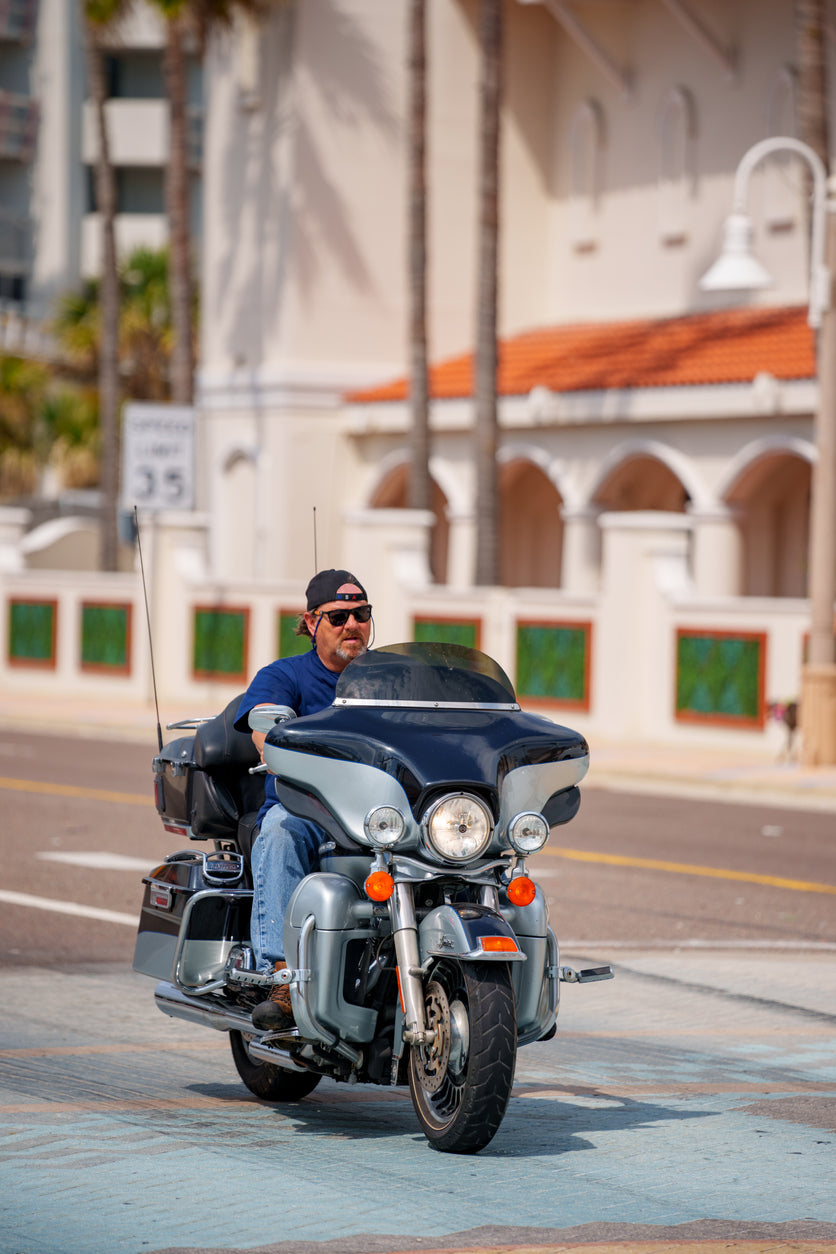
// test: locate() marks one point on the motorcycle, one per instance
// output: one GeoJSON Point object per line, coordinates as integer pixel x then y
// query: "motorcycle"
{"type": "Point", "coordinates": [421, 952]}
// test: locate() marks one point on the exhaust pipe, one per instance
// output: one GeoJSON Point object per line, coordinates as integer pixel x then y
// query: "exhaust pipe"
{"type": "Point", "coordinates": [178, 1005]}
{"type": "Point", "coordinates": [195, 1010]}
{"type": "Point", "coordinates": [260, 1051]}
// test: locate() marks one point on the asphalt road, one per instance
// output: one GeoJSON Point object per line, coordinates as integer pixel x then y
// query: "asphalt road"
{"type": "Point", "coordinates": [64, 801]}
{"type": "Point", "coordinates": [691, 1100]}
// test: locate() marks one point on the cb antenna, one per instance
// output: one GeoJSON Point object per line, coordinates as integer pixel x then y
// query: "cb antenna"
{"type": "Point", "coordinates": [315, 561]}
{"type": "Point", "coordinates": [148, 621]}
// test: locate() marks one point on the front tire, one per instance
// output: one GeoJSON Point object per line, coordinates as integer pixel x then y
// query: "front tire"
{"type": "Point", "coordinates": [460, 1085]}
{"type": "Point", "coordinates": [272, 1084]}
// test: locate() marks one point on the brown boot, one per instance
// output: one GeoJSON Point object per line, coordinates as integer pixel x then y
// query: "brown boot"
{"type": "Point", "coordinates": [276, 1013]}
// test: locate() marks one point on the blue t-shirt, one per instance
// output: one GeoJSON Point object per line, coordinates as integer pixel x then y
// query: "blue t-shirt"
{"type": "Point", "coordinates": [303, 682]}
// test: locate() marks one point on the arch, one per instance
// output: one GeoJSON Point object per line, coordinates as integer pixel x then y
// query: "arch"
{"type": "Point", "coordinates": [768, 486]}
{"type": "Point", "coordinates": [638, 450]}
{"type": "Point", "coordinates": [531, 525]}
{"type": "Point", "coordinates": [755, 451]}
{"type": "Point", "coordinates": [392, 492]}
{"type": "Point", "coordinates": [551, 467]}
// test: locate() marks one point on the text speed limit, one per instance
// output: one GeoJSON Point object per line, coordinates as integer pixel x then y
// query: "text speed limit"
{"type": "Point", "coordinates": [158, 457]}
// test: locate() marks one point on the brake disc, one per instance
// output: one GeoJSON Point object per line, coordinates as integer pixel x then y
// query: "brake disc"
{"type": "Point", "coordinates": [435, 1055]}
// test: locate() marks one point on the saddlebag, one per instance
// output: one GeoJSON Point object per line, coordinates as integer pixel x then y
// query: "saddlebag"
{"type": "Point", "coordinates": [202, 785]}
{"type": "Point", "coordinates": [195, 907]}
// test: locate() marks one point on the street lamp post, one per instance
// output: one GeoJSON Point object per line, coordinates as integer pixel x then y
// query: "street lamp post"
{"type": "Point", "coordinates": [737, 269]}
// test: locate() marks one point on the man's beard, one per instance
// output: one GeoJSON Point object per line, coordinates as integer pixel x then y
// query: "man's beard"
{"type": "Point", "coordinates": [348, 655]}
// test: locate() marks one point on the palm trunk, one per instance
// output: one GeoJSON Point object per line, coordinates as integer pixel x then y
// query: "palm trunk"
{"type": "Point", "coordinates": [487, 499]}
{"type": "Point", "coordinates": [179, 217]}
{"type": "Point", "coordinates": [420, 493]}
{"type": "Point", "coordinates": [811, 52]}
{"type": "Point", "coordinates": [108, 308]}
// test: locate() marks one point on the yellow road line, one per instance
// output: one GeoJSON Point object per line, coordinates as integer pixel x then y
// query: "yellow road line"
{"type": "Point", "coordinates": [686, 868]}
{"type": "Point", "coordinates": [576, 855]}
{"type": "Point", "coordinates": [43, 788]}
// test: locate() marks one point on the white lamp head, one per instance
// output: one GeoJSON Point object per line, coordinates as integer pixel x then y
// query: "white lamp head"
{"type": "Point", "coordinates": [737, 269]}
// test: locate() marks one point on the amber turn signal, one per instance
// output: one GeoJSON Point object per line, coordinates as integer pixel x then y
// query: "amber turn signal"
{"type": "Point", "coordinates": [379, 886]}
{"type": "Point", "coordinates": [498, 944]}
{"type": "Point", "coordinates": [521, 891]}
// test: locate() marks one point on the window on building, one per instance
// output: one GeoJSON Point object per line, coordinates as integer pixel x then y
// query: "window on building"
{"type": "Point", "coordinates": [586, 144]}
{"type": "Point", "coordinates": [135, 75]}
{"type": "Point", "coordinates": [677, 129]}
{"type": "Point", "coordinates": [12, 288]}
{"type": "Point", "coordinates": [139, 189]}
{"type": "Point", "coordinates": [782, 173]}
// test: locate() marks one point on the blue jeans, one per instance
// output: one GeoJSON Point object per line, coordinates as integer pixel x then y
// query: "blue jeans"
{"type": "Point", "coordinates": [285, 851]}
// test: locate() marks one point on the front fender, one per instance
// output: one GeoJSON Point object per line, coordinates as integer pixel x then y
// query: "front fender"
{"type": "Point", "coordinates": [454, 931]}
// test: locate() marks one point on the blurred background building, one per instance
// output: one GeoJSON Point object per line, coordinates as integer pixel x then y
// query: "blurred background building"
{"type": "Point", "coordinates": [49, 234]}
{"type": "Point", "coordinates": [656, 442]}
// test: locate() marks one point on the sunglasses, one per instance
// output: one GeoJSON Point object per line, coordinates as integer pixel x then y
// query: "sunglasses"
{"type": "Point", "coordinates": [339, 618]}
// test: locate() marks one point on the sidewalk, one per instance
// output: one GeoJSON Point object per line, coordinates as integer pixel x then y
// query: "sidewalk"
{"type": "Point", "coordinates": [719, 772]}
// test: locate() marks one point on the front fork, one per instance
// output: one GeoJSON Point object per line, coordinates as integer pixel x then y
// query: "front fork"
{"type": "Point", "coordinates": [410, 971]}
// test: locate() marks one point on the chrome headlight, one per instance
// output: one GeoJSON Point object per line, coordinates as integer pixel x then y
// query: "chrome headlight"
{"type": "Point", "coordinates": [458, 827]}
{"type": "Point", "coordinates": [384, 826]}
{"type": "Point", "coordinates": [528, 832]}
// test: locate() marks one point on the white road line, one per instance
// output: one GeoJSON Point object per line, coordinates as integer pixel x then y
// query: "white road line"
{"type": "Point", "coordinates": [99, 861]}
{"type": "Point", "coordinates": [67, 907]}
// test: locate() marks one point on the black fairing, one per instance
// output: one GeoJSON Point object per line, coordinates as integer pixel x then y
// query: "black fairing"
{"type": "Point", "coordinates": [428, 749]}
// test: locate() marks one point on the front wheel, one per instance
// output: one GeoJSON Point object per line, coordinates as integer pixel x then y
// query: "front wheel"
{"type": "Point", "coordinates": [461, 1083]}
{"type": "Point", "coordinates": [272, 1084]}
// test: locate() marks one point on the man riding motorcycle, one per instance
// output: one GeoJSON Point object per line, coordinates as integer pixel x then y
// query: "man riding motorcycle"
{"type": "Point", "coordinates": [338, 621]}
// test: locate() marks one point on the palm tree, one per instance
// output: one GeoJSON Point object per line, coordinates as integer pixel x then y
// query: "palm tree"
{"type": "Point", "coordinates": [98, 17]}
{"type": "Point", "coordinates": [811, 37]}
{"type": "Point", "coordinates": [178, 199]}
{"type": "Point", "coordinates": [487, 502]}
{"type": "Point", "coordinates": [44, 423]}
{"type": "Point", "coordinates": [23, 386]}
{"type": "Point", "coordinates": [420, 488]}
{"type": "Point", "coordinates": [144, 330]}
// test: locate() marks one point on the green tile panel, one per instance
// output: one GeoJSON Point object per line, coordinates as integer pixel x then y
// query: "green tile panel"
{"type": "Point", "coordinates": [720, 676]}
{"type": "Point", "coordinates": [220, 643]}
{"type": "Point", "coordinates": [289, 643]}
{"type": "Point", "coordinates": [553, 661]}
{"type": "Point", "coordinates": [443, 631]}
{"type": "Point", "coordinates": [105, 636]}
{"type": "Point", "coordinates": [32, 627]}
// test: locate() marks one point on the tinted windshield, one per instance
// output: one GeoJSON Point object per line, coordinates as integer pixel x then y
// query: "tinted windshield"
{"type": "Point", "coordinates": [427, 674]}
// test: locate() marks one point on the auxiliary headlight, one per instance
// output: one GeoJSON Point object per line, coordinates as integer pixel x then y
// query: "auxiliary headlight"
{"type": "Point", "coordinates": [459, 827]}
{"type": "Point", "coordinates": [384, 826]}
{"type": "Point", "coordinates": [528, 832]}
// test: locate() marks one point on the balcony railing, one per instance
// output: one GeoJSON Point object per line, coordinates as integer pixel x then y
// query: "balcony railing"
{"type": "Point", "coordinates": [18, 126]}
{"type": "Point", "coordinates": [17, 20]}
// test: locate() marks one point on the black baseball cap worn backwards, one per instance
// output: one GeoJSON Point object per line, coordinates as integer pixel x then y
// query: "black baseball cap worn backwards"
{"type": "Point", "coordinates": [325, 584]}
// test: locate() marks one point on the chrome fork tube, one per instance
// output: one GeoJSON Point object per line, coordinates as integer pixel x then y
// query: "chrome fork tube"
{"type": "Point", "coordinates": [405, 931]}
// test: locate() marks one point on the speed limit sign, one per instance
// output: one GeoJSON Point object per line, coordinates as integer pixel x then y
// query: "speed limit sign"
{"type": "Point", "coordinates": [157, 457]}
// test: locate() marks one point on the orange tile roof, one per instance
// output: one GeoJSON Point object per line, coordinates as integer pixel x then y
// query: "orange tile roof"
{"type": "Point", "coordinates": [727, 346]}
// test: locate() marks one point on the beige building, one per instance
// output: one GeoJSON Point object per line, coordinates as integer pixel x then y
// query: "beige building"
{"type": "Point", "coordinates": [623, 124]}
